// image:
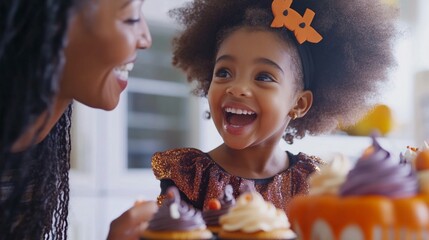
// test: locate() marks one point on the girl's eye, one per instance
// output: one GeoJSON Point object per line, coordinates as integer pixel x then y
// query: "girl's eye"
{"type": "Point", "coordinates": [222, 73]}
{"type": "Point", "coordinates": [264, 77]}
{"type": "Point", "coordinates": [132, 21]}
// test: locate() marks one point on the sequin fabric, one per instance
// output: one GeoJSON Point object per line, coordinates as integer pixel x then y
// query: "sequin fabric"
{"type": "Point", "coordinates": [199, 178]}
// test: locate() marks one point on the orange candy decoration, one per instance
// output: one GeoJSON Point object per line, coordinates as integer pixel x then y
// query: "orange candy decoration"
{"type": "Point", "coordinates": [422, 160]}
{"type": "Point", "coordinates": [214, 204]}
{"type": "Point", "coordinates": [368, 151]}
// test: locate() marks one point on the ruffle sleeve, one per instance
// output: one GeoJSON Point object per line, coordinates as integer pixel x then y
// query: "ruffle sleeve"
{"type": "Point", "coordinates": [187, 168]}
{"type": "Point", "coordinates": [304, 166]}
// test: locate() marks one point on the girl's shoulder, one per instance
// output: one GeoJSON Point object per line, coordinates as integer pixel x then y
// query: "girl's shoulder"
{"type": "Point", "coordinates": [171, 162]}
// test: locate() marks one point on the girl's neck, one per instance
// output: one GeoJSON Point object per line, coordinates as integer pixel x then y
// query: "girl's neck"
{"type": "Point", "coordinates": [41, 125]}
{"type": "Point", "coordinates": [253, 162]}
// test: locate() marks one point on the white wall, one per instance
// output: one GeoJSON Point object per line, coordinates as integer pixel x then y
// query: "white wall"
{"type": "Point", "coordinates": [156, 10]}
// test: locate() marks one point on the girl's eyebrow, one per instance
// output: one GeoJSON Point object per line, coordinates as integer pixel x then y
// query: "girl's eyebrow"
{"type": "Point", "coordinates": [128, 2]}
{"type": "Point", "coordinates": [268, 62]}
{"type": "Point", "coordinates": [261, 60]}
{"type": "Point", "coordinates": [225, 57]}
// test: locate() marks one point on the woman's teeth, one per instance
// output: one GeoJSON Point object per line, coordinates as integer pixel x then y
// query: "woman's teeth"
{"type": "Point", "coordinates": [239, 111]}
{"type": "Point", "coordinates": [122, 71]}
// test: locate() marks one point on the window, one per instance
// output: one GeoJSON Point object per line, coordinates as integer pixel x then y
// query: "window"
{"type": "Point", "coordinates": [158, 103]}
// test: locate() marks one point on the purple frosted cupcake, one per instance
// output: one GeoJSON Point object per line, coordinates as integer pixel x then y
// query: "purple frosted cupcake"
{"type": "Point", "coordinates": [375, 173]}
{"type": "Point", "coordinates": [176, 219]}
{"type": "Point", "coordinates": [217, 208]}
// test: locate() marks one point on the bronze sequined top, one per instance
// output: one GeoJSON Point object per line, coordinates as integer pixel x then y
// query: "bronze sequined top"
{"type": "Point", "coordinates": [200, 179]}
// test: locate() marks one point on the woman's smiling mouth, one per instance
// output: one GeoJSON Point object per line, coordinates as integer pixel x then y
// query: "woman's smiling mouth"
{"type": "Point", "coordinates": [122, 73]}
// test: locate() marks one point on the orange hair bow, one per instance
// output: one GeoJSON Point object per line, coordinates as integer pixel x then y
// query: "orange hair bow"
{"type": "Point", "coordinates": [285, 16]}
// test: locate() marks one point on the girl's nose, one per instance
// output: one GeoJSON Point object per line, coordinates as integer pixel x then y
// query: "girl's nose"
{"type": "Point", "coordinates": [239, 89]}
{"type": "Point", "coordinates": [145, 39]}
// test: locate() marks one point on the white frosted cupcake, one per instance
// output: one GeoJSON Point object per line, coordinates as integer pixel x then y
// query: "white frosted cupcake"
{"type": "Point", "coordinates": [254, 218]}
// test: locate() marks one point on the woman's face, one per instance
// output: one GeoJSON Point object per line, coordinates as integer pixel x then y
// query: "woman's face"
{"type": "Point", "coordinates": [103, 39]}
{"type": "Point", "coordinates": [253, 89]}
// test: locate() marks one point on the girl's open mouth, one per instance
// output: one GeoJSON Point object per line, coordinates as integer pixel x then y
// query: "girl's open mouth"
{"type": "Point", "coordinates": [237, 118]}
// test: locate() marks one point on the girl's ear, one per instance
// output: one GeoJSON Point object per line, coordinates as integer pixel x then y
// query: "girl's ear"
{"type": "Point", "coordinates": [303, 103]}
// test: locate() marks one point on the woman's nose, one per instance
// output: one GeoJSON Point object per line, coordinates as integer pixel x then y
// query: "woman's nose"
{"type": "Point", "coordinates": [145, 39]}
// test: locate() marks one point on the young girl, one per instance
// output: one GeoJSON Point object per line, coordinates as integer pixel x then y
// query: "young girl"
{"type": "Point", "coordinates": [273, 69]}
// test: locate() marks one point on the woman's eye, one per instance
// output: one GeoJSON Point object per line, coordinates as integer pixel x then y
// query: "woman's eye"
{"type": "Point", "coordinates": [222, 73]}
{"type": "Point", "coordinates": [264, 77]}
{"type": "Point", "coordinates": [132, 21]}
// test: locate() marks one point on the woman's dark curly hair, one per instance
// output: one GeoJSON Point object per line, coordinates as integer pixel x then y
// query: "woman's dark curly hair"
{"type": "Point", "coordinates": [34, 190]}
{"type": "Point", "coordinates": [350, 63]}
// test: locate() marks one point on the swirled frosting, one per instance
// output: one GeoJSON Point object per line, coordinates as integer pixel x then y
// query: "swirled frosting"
{"type": "Point", "coordinates": [375, 173]}
{"type": "Point", "coordinates": [211, 216]}
{"type": "Point", "coordinates": [176, 215]}
{"type": "Point", "coordinates": [330, 177]}
{"type": "Point", "coordinates": [252, 213]}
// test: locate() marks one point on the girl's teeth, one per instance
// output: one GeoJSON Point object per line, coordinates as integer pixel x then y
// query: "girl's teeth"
{"type": "Point", "coordinates": [239, 111]}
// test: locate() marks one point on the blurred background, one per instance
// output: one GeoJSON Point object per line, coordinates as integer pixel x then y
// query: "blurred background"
{"type": "Point", "coordinates": [111, 150]}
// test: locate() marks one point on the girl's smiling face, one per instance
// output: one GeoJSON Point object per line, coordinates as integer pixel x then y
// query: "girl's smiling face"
{"type": "Point", "coordinates": [254, 88]}
{"type": "Point", "coordinates": [103, 40]}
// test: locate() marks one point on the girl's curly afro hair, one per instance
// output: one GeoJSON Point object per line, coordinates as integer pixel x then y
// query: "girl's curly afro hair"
{"type": "Point", "coordinates": [350, 63]}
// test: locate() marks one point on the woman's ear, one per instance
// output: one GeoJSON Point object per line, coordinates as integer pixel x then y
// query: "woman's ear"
{"type": "Point", "coordinates": [303, 103]}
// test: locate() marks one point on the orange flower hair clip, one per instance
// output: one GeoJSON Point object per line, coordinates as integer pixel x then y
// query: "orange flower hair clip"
{"type": "Point", "coordinates": [285, 16]}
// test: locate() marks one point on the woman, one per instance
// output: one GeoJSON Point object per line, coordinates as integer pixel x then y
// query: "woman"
{"type": "Point", "coordinates": [51, 53]}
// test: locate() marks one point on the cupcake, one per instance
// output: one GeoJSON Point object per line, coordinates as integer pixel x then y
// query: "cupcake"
{"type": "Point", "coordinates": [377, 200]}
{"type": "Point", "coordinates": [176, 219]}
{"type": "Point", "coordinates": [330, 177]}
{"type": "Point", "coordinates": [375, 173]}
{"type": "Point", "coordinates": [254, 218]}
{"type": "Point", "coordinates": [217, 208]}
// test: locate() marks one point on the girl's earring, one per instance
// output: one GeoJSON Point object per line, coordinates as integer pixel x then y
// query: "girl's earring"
{"type": "Point", "coordinates": [293, 115]}
{"type": "Point", "coordinates": [207, 115]}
